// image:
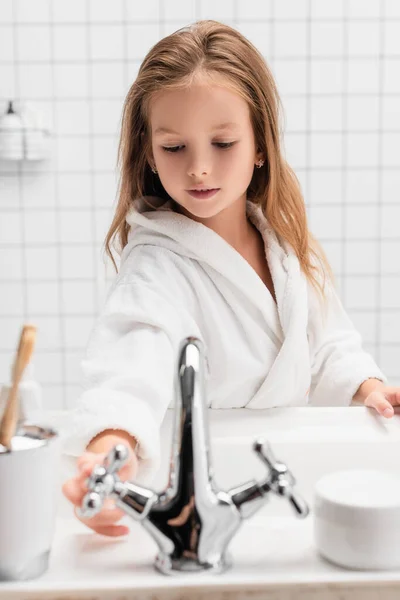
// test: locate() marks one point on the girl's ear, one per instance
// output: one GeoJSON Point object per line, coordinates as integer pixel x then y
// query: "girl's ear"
{"type": "Point", "coordinates": [259, 156]}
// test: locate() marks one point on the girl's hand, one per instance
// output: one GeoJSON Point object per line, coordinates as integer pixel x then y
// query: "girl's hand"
{"type": "Point", "coordinates": [383, 399]}
{"type": "Point", "coordinates": [74, 490]}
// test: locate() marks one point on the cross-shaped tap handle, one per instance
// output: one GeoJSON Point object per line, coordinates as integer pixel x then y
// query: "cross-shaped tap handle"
{"type": "Point", "coordinates": [281, 480]}
{"type": "Point", "coordinates": [102, 481]}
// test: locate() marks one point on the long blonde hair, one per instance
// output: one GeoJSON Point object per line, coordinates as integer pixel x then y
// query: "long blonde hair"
{"type": "Point", "coordinates": [212, 48]}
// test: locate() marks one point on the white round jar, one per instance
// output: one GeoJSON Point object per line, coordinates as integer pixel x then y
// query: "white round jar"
{"type": "Point", "coordinates": [357, 519]}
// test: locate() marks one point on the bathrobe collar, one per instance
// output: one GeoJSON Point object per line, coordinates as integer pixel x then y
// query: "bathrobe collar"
{"type": "Point", "coordinates": [163, 226]}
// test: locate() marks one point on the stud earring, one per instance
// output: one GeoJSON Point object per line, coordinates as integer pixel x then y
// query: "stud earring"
{"type": "Point", "coordinates": [260, 163]}
{"type": "Point", "coordinates": [154, 170]}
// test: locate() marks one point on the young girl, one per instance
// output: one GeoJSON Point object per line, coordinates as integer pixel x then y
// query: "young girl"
{"type": "Point", "coordinates": [234, 265]}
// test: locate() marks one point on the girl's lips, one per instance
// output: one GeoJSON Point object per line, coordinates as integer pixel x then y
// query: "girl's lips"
{"type": "Point", "coordinates": [203, 195]}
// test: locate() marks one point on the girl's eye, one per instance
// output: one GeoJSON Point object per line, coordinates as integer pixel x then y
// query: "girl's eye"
{"type": "Point", "coordinates": [177, 148]}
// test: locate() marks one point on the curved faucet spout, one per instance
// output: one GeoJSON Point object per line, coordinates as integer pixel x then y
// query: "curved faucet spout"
{"type": "Point", "coordinates": [197, 519]}
{"type": "Point", "coordinates": [190, 448]}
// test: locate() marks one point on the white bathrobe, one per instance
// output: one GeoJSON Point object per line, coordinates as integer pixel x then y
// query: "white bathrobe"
{"type": "Point", "coordinates": [179, 278]}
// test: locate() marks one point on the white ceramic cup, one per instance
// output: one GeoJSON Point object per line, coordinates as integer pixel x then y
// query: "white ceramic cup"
{"type": "Point", "coordinates": [28, 498]}
{"type": "Point", "coordinates": [357, 519]}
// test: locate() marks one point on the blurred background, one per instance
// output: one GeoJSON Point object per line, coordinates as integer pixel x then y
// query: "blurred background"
{"type": "Point", "coordinates": [68, 64]}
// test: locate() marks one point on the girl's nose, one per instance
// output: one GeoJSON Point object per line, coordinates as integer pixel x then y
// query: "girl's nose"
{"type": "Point", "coordinates": [199, 167]}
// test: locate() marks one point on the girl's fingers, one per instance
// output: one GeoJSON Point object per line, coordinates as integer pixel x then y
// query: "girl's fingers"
{"type": "Point", "coordinates": [86, 464]}
{"type": "Point", "coordinates": [104, 518]}
{"type": "Point", "coordinates": [112, 530]}
{"type": "Point", "coordinates": [392, 395]}
{"type": "Point", "coordinates": [75, 489]}
{"type": "Point", "coordinates": [72, 490]}
{"type": "Point", "coordinates": [91, 457]}
{"type": "Point", "coordinates": [381, 404]}
{"type": "Point", "coordinates": [386, 410]}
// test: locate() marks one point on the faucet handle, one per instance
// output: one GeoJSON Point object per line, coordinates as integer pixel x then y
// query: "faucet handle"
{"type": "Point", "coordinates": [116, 458]}
{"type": "Point", "coordinates": [281, 481]}
{"type": "Point", "coordinates": [102, 481]}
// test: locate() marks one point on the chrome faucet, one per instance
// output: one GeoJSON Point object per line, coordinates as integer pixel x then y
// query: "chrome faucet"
{"type": "Point", "coordinates": [191, 521]}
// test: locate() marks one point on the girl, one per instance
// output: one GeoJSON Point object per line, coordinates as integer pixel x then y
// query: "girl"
{"type": "Point", "coordinates": [211, 227]}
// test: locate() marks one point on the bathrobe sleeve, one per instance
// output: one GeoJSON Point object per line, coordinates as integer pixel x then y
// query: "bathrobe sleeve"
{"type": "Point", "coordinates": [129, 369]}
{"type": "Point", "coordinates": [339, 364]}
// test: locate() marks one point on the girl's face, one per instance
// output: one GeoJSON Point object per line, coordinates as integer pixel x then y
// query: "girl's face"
{"type": "Point", "coordinates": [209, 144]}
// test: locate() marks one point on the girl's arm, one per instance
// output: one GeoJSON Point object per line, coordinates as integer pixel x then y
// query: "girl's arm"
{"type": "Point", "coordinates": [129, 371]}
{"type": "Point", "coordinates": [339, 364]}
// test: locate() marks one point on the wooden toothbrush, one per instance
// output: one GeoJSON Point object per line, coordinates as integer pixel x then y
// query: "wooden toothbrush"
{"type": "Point", "coordinates": [10, 416]}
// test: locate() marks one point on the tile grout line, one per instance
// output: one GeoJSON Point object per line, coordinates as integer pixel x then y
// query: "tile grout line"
{"type": "Point", "coordinates": [57, 222]}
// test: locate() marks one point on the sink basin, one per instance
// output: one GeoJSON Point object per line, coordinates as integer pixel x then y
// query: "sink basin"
{"type": "Point", "coordinates": [273, 552]}
{"type": "Point", "coordinates": [311, 441]}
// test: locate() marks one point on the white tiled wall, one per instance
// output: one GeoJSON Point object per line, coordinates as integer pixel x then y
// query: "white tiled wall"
{"type": "Point", "coordinates": [337, 65]}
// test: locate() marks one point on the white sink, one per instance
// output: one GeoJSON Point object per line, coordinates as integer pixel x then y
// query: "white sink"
{"type": "Point", "coordinates": [273, 552]}
{"type": "Point", "coordinates": [311, 441]}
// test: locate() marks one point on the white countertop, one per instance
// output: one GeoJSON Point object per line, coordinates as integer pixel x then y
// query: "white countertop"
{"type": "Point", "coordinates": [274, 555]}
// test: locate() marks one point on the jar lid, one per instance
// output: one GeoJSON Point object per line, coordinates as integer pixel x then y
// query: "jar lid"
{"type": "Point", "coordinates": [358, 497]}
{"type": "Point", "coordinates": [28, 437]}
